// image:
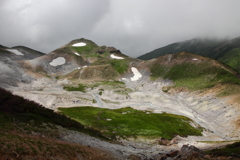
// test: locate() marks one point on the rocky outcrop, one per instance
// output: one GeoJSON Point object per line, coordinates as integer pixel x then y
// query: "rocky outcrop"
{"type": "Point", "coordinates": [187, 152]}
{"type": "Point", "coordinates": [166, 142]}
{"type": "Point", "coordinates": [163, 141]}
{"type": "Point", "coordinates": [108, 49]}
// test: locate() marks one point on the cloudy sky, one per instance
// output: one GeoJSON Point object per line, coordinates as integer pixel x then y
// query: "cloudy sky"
{"type": "Point", "coordinates": [133, 26]}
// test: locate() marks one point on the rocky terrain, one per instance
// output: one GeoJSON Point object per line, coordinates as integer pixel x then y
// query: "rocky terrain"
{"type": "Point", "coordinates": [48, 79]}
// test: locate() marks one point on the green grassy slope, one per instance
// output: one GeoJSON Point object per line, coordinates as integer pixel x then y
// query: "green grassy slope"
{"type": "Point", "coordinates": [216, 49]}
{"type": "Point", "coordinates": [232, 58]}
{"type": "Point", "coordinates": [202, 47]}
{"type": "Point", "coordinates": [232, 150]}
{"type": "Point", "coordinates": [194, 75]}
{"type": "Point", "coordinates": [128, 122]}
{"type": "Point", "coordinates": [85, 51]}
{"type": "Point", "coordinates": [100, 64]}
{"type": "Point", "coordinates": [120, 66]}
{"type": "Point", "coordinates": [103, 58]}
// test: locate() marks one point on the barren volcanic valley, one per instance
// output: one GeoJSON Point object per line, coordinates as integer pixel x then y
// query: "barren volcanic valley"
{"type": "Point", "coordinates": [84, 101]}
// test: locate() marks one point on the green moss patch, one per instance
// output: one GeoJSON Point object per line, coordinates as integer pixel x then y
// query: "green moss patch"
{"type": "Point", "coordinates": [80, 87]}
{"type": "Point", "coordinates": [128, 122]}
{"type": "Point", "coordinates": [88, 50]}
{"type": "Point", "coordinates": [100, 72]}
{"type": "Point", "coordinates": [116, 86]}
{"type": "Point", "coordinates": [230, 150]}
{"type": "Point", "coordinates": [120, 66]}
{"type": "Point", "coordinates": [112, 83]}
{"type": "Point", "coordinates": [108, 101]}
{"type": "Point", "coordinates": [193, 76]}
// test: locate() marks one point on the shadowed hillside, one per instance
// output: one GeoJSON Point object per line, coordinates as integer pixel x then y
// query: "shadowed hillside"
{"type": "Point", "coordinates": [28, 130]}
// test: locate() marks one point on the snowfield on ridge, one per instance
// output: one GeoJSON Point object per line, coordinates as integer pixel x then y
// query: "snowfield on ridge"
{"type": "Point", "coordinates": [15, 52]}
{"type": "Point", "coordinates": [81, 44]}
{"type": "Point", "coordinates": [116, 57]}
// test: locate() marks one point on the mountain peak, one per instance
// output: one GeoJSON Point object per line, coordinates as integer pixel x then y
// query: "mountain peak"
{"type": "Point", "coordinates": [81, 40]}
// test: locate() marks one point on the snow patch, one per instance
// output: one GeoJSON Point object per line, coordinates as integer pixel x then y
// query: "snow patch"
{"type": "Point", "coordinates": [116, 57]}
{"type": "Point", "coordinates": [77, 54]}
{"type": "Point", "coordinates": [195, 59]}
{"type": "Point", "coordinates": [15, 52]}
{"type": "Point", "coordinates": [79, 44]}
{"type": "Point", "coordinates": [58, 61]}
{"type": "Point", "coordinates": [81, 67]}
{"type": "Point", "coordinates": [124, 79]}
{"type": "Point", "coordinates": [137, 74]}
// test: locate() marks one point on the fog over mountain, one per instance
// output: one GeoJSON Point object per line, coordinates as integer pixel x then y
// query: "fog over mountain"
{"type": "Point", "coordinates": [135, 27]}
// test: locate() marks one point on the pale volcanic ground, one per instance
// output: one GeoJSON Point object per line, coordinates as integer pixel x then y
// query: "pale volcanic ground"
{"type": "Point", "coordinates": [214, 114]}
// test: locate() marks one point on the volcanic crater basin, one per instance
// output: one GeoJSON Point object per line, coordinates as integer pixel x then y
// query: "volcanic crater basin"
{"type": "Point", "coordinates": [143, 94]}
{"type": "Point", "coordinates": [214, 114]}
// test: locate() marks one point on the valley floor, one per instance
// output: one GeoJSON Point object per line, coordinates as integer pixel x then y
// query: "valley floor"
{"type": "Point", "coordinates": [206, 111]}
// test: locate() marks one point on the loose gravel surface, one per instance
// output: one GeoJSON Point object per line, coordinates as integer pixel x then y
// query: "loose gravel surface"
{"type": "Point", "coordinates": [214, 114]}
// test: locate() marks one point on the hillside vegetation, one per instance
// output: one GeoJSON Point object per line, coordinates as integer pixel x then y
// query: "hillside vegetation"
{"type": "Point", "coordinates": [223, 50]}
{"type": "Point", "coordinates": [232, 150]}
{"type": "Point", "coordinates": [131, 123]}
{"type": "Point", "coordinates": [232, 58]}
{"type": "Point", "coordinates": [193, 74]}
{"type": "Point", "coordinates": [95, 61]}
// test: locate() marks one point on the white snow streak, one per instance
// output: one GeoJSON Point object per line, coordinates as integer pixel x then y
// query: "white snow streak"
{"type": "Point", "coordinates": [15, 52]}
{"type": "Point", "coordinates": [137, 74]}
{"type": "Point", "coordinates": [116, 57]}
{"type": "Point", "coordinates": [77, 54]}
{"type": "Point", "coordinates": [195, 59]}
{"type": "Point", "coordinates": [79, 44]}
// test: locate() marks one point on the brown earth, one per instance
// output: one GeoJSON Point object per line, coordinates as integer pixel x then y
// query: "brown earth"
{"type": "Point", "coordinates": [18, 146]}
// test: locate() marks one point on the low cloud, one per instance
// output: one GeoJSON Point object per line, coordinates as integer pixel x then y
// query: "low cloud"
{"type": "Point", "coordinates": [133, 26]}
{"type": "Point", "coordinates": [5, 69]}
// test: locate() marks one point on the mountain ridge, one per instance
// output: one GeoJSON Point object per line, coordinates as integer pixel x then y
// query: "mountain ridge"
{"type": "Point", "coordinates": [83, 74]}
{"type": "Point", "coordinates": [213, 48]}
